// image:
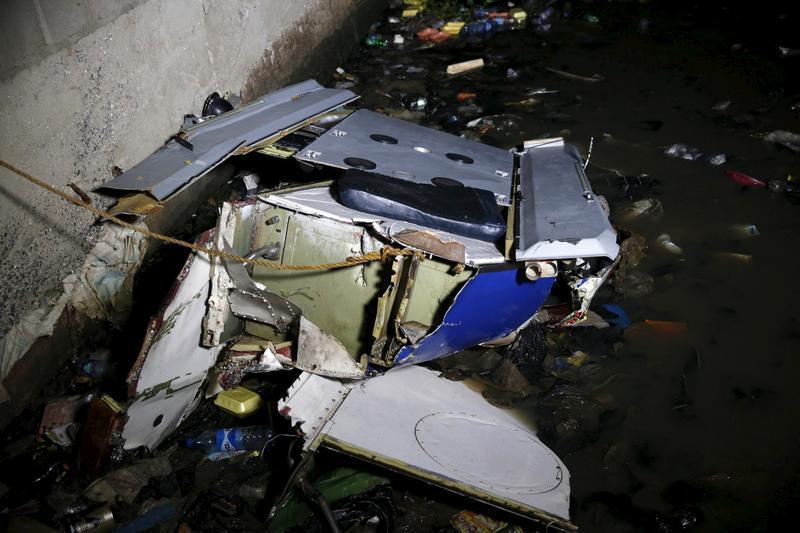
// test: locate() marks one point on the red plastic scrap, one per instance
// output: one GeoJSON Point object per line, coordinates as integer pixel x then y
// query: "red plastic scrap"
{"type": "Point", "coordinates": [432, 34]}
{"type": "Point", "coordinates": [744, 179]}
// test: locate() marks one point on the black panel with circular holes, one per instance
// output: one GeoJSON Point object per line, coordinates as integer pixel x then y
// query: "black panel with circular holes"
{"type": "Point", "coordinates": [357, 162]}
{"type": "Point", "coordinates": [446, 182]}
{"type": "Point", "coordinates": [460, 158]}
{"type": "Point", "coordinates": [384, 139]}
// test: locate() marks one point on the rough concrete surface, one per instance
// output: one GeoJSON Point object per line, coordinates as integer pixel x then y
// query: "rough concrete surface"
{"type": "Point", "coordinates": [91, 100]}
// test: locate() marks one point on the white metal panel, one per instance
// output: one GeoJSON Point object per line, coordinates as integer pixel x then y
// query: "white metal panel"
{"type": "Point", "coordinates": [412, 420]}
{"type": "Point", "coordinates": [175, 367]}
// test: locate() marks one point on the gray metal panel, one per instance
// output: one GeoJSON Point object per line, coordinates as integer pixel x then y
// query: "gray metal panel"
{"type": "Point", "coordinates": [214, 140]}
{"type": "Point", "coordinates": [418, 155]}
{"type": "Point", "coordinates": [559, 215]}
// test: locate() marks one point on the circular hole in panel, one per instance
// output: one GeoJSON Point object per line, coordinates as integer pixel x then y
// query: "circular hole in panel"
{"type": "Point", "coordinates": [357, 162]}
{"type": "Point", "coordinates": [158, 420]}
{"type": "Point", "coordinates": [403, 175]}
{"type": "Point", "coordinates": [422, 150]}
{"type": "Point", "coordinates": [446, 182]}
{"type": "Point", "coordinates": [384, 139]}
{"type": "Point", "coordinates": [459, 158]}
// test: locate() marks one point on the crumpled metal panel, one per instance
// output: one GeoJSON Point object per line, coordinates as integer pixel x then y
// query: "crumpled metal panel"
{"type": "Point", "coordinates": [392, 147]}
{"type": "Point", "coordinates": [321, 353]}
{"type": "Point", "coordinates": [175, 366]}
{"type": "Point", "coordinates": [491, 305]}
{"type": "Point", "coordinates": [559, 214]}
{"type": "Point", "coordinates": [440, 431]}
{"type": "Point", "coordinates": [214, 140]}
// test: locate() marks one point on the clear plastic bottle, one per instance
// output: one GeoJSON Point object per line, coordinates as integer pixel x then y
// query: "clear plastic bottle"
{"type": "Point", "coordinates": [250, 438]}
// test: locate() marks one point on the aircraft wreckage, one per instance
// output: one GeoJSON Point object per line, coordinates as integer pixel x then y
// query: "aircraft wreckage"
{"type": "Point", "coordinates": [486, 236]}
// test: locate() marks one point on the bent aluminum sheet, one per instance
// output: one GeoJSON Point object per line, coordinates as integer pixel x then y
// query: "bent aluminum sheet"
{"type": "Point", "coordinates": [319, 201]}
{"type": "Point", "coordinates": [491, 305]}
{"type": "Point", "coordinates": [214, 140]}
{"type": "Point", "coordinates": [175, 366]}
{"type": "Point", "coordinates": [412, 421]}
{"type": "Point", "coordinates": [559, 215]}
{"type": "Point", "coordinates": [415, 153]}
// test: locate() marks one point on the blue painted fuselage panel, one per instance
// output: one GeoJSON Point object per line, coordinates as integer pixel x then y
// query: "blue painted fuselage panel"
{"type": "Point", "coordinates": [491, 305]}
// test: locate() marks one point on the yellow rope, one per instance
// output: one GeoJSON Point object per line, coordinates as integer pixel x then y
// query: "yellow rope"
{"type": "Point", "coordinates": [381, 255]}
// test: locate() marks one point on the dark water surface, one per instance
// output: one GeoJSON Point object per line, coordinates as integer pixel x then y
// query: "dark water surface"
{"type": "Point", "coordinates": [696, 430]}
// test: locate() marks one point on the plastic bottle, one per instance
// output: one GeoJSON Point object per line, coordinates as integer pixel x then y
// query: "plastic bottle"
{"type": "Point", "coordinates": [251, 438]}
{"type": "Point", "coordinates": [477, 29]}
{"type": "Point", "coordinates": [503, 23]}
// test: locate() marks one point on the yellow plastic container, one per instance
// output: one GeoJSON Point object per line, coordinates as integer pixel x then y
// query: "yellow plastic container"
{"type": "Point", "coordinates": [518, 13]}
{"type": "Point", "coordinates": [238, 401]}
{"type": "Point", "coordinates": [453, 27]}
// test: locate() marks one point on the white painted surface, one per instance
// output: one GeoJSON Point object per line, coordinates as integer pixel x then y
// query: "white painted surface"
{"type": "Point", "coordinates": [176, 357]}
{"type": "Point", "coordinates": [410, 416]}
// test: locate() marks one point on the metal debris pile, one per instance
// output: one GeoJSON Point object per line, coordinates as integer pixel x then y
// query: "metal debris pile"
{"type": "Point", "coordinates": [315, 358]}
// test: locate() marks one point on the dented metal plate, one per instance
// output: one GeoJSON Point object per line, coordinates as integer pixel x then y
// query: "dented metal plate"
{"type": "Point", "coordinates": [321, 353]}
{"type": "Point", "coordinates": [207, 144]}
{"type": "Point", "coordinates": [441, 431]}
{"type": "Point", "coordinates": [376, 143]}
{"type": "Point", "coordinates": [251, 300]}
{"type": "Point", "coordinates": [559, 214]}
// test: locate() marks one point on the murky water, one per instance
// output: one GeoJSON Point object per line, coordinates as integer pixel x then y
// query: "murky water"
{"type": "Point", "coordinates": [680, 431]}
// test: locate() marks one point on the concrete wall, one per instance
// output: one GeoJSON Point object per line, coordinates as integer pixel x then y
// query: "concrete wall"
{"type": "Point", "coordinates": [86, 85]}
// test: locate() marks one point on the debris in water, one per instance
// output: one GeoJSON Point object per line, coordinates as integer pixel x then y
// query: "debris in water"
{"type": "Point", "coordinates": [465, 66]}
{"type": "Point", "coordinates": [744, 179]}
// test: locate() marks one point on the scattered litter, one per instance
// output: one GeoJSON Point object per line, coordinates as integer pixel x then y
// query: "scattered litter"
{"type": "Point", "coordinates": [717, 160]}
{"type": "Point", "coordinates": [620, 317]}
{"type": "Point", "coordinates": [564, 74]}
{"type": "Point", "coordinates": [744, 179]}
{"type": "Point", "coordinates": [471, 522]}
{"type": "Point", "coordinates": [722, 106]}
{"type": "Point", "coordinates": [103, 424]}
{"type": "Point", "coordinates": [238, 401]}
{"type": "Point", "coordinates": [465, 66]}
{"type": "Point", "coordinates": [59, 420]}
{"type": "Point", "coordinates": [683, 152]}
{"type": "Point", "coordinates": [784, 138]}
{"type": "Point", "coordinates": [251, 439]}
{"type": "Point", "coordinates": [665, 243]}
{"type": "Point", "coordinates": [784, 51]}
{"type": "Point", "coordinates": [732, 257]}
{"type": "Point", "coordinates": [788, 187]}
{"type": "Point", "coordinates": [660, 330]}
{"type": "Point", "coordinates": [646, 207]}
{"type": "Point", "coordinates": [432, 34]}
{"type": "Point", "coordinates": [744, 231]}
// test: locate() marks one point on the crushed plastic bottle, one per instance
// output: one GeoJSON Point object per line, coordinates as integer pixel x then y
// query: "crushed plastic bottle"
{"type": "Point", "coordinates": [251, 438]}
{"type": "Point", "coordinates": [477, 29]}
